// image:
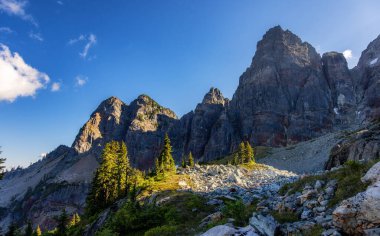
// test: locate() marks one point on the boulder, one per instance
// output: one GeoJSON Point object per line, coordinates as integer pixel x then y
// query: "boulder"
{"type": "Point", "coordinates": [220, 230]}
{"type": "Point", "coordinates": [264, 224]}
{"type": "Point", "coordinates": [361, 212]}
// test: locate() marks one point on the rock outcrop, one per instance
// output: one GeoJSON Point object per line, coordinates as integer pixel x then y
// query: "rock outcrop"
{"type": "Point", "coordinates": [359, 145]}
{"type": "Point", "coordinates": [362, 212]}
{"type": "Point", "coordinates": [283, 97]}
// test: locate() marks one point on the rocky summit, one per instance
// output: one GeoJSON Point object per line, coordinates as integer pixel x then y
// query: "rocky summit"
{"type": "Point", "coordinates": [292, 104]}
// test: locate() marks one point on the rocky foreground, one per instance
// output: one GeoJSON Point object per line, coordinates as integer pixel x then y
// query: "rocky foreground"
{"type": "Point", "coordinates": [311, 207]}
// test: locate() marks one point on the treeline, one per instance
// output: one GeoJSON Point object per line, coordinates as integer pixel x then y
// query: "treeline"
{"type": "Point", "coordinates": [244, 154]}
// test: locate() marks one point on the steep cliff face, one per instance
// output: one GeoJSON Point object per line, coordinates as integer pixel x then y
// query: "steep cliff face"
{"type": "Point", "coordinates": [368, 76]}
{"type": "Point", "coordinates": [283, 97]}
{"type": "Point", "coordinates": [145, 134]}
{"type": "Point", "coordinates": [108, 122]}
{"type": "Point", "coordinates": [203, 120]}
{"type": "Point", "coordinates": [341, 85]}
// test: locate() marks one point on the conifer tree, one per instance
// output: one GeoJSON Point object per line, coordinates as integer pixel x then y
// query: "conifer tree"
{"type": "Point", "coordinates": [29, 229]}
{"type": "Point", "coordinates": [75, 219]}
{"type": "Point", "coordinates": [183, 163]}
{"type": "Point", "coordinates": [242, 153]}
{"type": "Point", "coordinates": [249, 154]}
{"type": "Point", "coordinates": [122, 169]}
{"type": "Point", "coordinates": [38, 231]}
{"type": "Point", "coordinates": [165, 162]}
{"type": "Point", "coordinates": [191, 160]}
{"type": "Point", "coordinates": [111, 180]}
{"type": "Point", "coordinates": [62, 221]}
{"type": "Point", "coordinates": [235, 159]}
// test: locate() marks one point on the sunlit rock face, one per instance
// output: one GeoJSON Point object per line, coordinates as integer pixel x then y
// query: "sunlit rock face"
{"type": "Point", "coordinates": [283, 97]}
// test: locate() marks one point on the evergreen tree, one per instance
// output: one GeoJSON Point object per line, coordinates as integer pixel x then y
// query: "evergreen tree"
{"type": "Point", "coordinates": [235, 159]}
{"type": "Point", "coordinates": [75, 219]}
{"type": "Point", "coordinates": [191, 160]}
{"type": "Point", "coordinates": [122, 170]}
{"type": "Point", "coordinates": [241, 153]}
{"type": "Point", "coordinates": [38, 231]}
{"type": "Point", "coordinates": [249, 154]}
{"type": "Point", "coordinates": [183, 164]}
{"type": "Point", "coordinates": [2, 167]}
{"type": "Point", "coordinates": [62, 221]}
{"type": "Point", "coordinates": [29, 229]}
{"type": "Point", "coordinates": [165, 162]}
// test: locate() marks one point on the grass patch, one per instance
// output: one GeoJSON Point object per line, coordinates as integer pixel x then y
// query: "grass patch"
{"type": "Point", "coordinates": [348, 178]}
{"type": "Point", "coordinates": [253, 166]}
{"type": "Point", "coordinates": [316, 230]}
{"type": "Point", "coordinates": [285, 217]}
{"type": "Point", "coordinates": [164, 183]}
{"type": "Point", "coordinates": [262, 152]}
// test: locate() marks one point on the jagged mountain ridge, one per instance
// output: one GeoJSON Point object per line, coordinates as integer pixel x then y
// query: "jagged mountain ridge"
{"type": "Point", "coordinates": [287, 95]}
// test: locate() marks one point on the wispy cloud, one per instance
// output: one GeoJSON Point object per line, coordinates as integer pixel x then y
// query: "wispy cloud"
{"type": "Point", "coordinates": [36, 36]}
{"type": "Point", "coordinates": [18, 79]}
{"type": "Point", "coordinates": [89, 40]}
{"type": "Point", "coordinates": [55, 87]}
{"type": "Point", "coordinates": [60, 2]}
{"type": "Point", "coordinates": [80, 80]}
{"type": "Point", "coordinates": [6, 30]}
{"type": "Point", "coordinates": [17, 8]}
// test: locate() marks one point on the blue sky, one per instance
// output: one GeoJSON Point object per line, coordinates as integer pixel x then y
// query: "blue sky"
{"type": "Point", "coordinates": [76, 53]}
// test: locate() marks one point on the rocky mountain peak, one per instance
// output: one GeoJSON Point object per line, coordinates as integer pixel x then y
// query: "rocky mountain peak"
{"type": "Point", "coordinates": [278, 45]}
{"type": "Point", "coordinates": [371, 55]}
{"type": "Point", "coordinates": [214, 96]}
{"type": "Point", "coordinates": [106, 123]}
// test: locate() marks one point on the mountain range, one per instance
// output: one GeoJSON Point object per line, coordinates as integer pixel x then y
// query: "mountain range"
{"type": "Point", "coordinates": [289, 94]}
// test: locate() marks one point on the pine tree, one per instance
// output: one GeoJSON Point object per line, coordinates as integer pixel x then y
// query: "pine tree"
{"type": "Point", "coordinates": [2, 167]}
{"type": "Point", "coordinates": [75, 219]}
{"type": "Point", "coordinates": [62, 221]}
{"type": "Point", "coordinates": [242, 153]}
{"type": "Point", "coordinates": [165, 162]}
{"type": "Point", "coordinates": [249, 154]}
{"type": "Point", "coordinates": [235, 159]}
{"type": "Point", "coordinates": [38, 231]}
{"type": "Point", "coordinates": [29, 229]}
{"type": "Point", "coordinates": [183, 164]}
{"type": "Point", "coordinates": [191, 160]}
{"type": "Point", "coordinates": [123, 169]}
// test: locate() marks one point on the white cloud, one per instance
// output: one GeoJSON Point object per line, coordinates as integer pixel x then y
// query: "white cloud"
{"type": "Point", "coordinates": [73, 41]}
{"type": "Point", "coordinates": [16, 8]}
{"type": "Point", "coordinates": [348, 54]}
{"type": "Point", "coordinates": [18, 79]}
{"type": "Point", "coordinates": [90, 42]}
{"type": "Point", "coordinates": [80, 80]}
{"type": "Point", "coordinates": [43, 155]}
{"type": "Point", "coordinates": [36, 36]}
{"type": "Point", "coordinates": [55, 87]}
{"type": "Point", "coordinates": [6, 30]}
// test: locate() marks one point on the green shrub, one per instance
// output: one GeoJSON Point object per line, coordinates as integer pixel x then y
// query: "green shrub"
{"type": "Point", "coordinates": [284, 217]}
{"type": "Point", "coordinates": [238, 211]}
{"type": "Point", "coordinates": [316, 230]}
{"type": "Point", "coordinates": [106, 232]}
{"type": "Point", "coordinates": [165, 230]}
{"type": "Point", "coordinates": [348, 178]}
